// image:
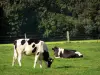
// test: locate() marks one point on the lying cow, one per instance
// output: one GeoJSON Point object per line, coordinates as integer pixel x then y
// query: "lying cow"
{"type": "Point", "coordinates": [29, 47]}
{"type": "Point", "coordinates": [64, 53]}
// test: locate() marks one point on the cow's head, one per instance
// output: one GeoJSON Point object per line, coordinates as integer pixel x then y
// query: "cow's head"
{"type": "Point", "coordinates": [47, 59]}
{"type": "Point", "coordinates": [56, 50]}
{"type": "Point", "coordinates": [50, 60]}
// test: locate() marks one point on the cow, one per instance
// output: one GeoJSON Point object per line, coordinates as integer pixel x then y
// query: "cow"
{"type": "Point", "coordinates": [29, 47]}
{"type": "Point", "coordinates": [66, 53]}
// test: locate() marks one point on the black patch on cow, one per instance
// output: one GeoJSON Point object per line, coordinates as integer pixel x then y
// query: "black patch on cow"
{"type": "Point", "coordinates": [68, 54]}
{"type": "Point", "coordinates": [34, 50]}
{"type": "Point", "coordinates": [45, 55]}
{"type": "Point", "coordinates": [22, 42]}
{"type": "Point", "coordinates": [38, 53]}
{"type": "Point", "coordinates": [36, 41]}
{"type": "Point", "coordinates": [33, 45]}
{"type": "Point", "coordinates": [70, 50]}
{"type": "Point", "coordinates": [61, 55]}
{"type": "Point", "coordinates": [15, 43]}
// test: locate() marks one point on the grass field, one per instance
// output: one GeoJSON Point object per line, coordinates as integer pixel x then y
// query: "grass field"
{"type": "Point", "coordinates": [88, 65]}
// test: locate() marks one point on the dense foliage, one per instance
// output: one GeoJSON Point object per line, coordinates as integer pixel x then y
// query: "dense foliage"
{"type": "Point", "coordinates": [50, 18]}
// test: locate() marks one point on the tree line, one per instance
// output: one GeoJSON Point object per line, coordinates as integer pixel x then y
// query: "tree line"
{"type": "Point", "coordinates": [50, 18]}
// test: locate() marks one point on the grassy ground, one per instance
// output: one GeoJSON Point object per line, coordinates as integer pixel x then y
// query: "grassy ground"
{"type": "Point", "coordinates": [88, 65]}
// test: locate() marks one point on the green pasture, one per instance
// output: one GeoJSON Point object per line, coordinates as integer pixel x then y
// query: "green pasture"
{"type": "Point", "coordinates": [88, 65]}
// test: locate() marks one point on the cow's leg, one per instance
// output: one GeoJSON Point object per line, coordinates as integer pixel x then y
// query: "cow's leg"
{"type": "Point", "coordinates": [14, 57]}
{"type": "Point", "coordinates": [40, 61]}
{"type": "Point", "coordinates": [36, 58]}
{"type": "Point", "coordinates": [19, 58]}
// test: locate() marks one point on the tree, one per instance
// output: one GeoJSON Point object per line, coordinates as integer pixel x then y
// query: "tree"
{"type": "Point", "coordinates": [51, 18]}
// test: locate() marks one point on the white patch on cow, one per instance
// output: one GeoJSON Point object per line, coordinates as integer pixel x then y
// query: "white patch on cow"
{"type": "Point", "coordinates": [28, 48]}
{"type": "Point", "coordinates": [78, 53]}
{"type": "Point", "coordinates": [61, 50]}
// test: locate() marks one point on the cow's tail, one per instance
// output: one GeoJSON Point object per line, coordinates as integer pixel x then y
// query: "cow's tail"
{"type": "Point", "coordinates": [15, 53]}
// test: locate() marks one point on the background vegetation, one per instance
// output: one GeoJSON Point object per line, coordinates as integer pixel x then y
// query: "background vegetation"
{"type": "Point", "coordinates": [50, 18]}
{"type": "Point", "coordinates": [88, 65]}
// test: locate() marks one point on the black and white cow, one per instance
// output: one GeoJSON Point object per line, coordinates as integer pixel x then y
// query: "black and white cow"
{"type": "Point", "coordinates": [29, 47]}
{"type": "Point", "coordinates": [65, 53]}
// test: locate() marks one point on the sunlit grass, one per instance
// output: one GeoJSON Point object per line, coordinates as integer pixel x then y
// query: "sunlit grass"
{"type": "Point", "coordinates": [77, 41]}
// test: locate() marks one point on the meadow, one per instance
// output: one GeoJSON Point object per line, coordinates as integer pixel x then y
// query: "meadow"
{"type": "Point", "coordinates": [88, 65]}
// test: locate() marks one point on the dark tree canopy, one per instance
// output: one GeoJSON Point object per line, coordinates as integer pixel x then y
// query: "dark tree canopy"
{"type": "Point", "coordinates": [50, 17]}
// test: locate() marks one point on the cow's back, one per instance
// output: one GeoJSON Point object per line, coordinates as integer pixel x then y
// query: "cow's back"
{"type": "Point", "coordinates": [68, 54]}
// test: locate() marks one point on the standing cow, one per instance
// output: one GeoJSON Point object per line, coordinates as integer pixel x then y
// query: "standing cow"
{"type": "Point", "coordinates": [31, 46]}
{"type": "Point", "coordinates": [65, 53]}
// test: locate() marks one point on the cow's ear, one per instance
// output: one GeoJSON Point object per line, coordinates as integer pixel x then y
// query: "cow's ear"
{"type": "Point", "coordinates": [50, 59]}
{"type": "Point", "coordinates": [52, 48]}
{"type": "Point", "coordinates": [56, 47]}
